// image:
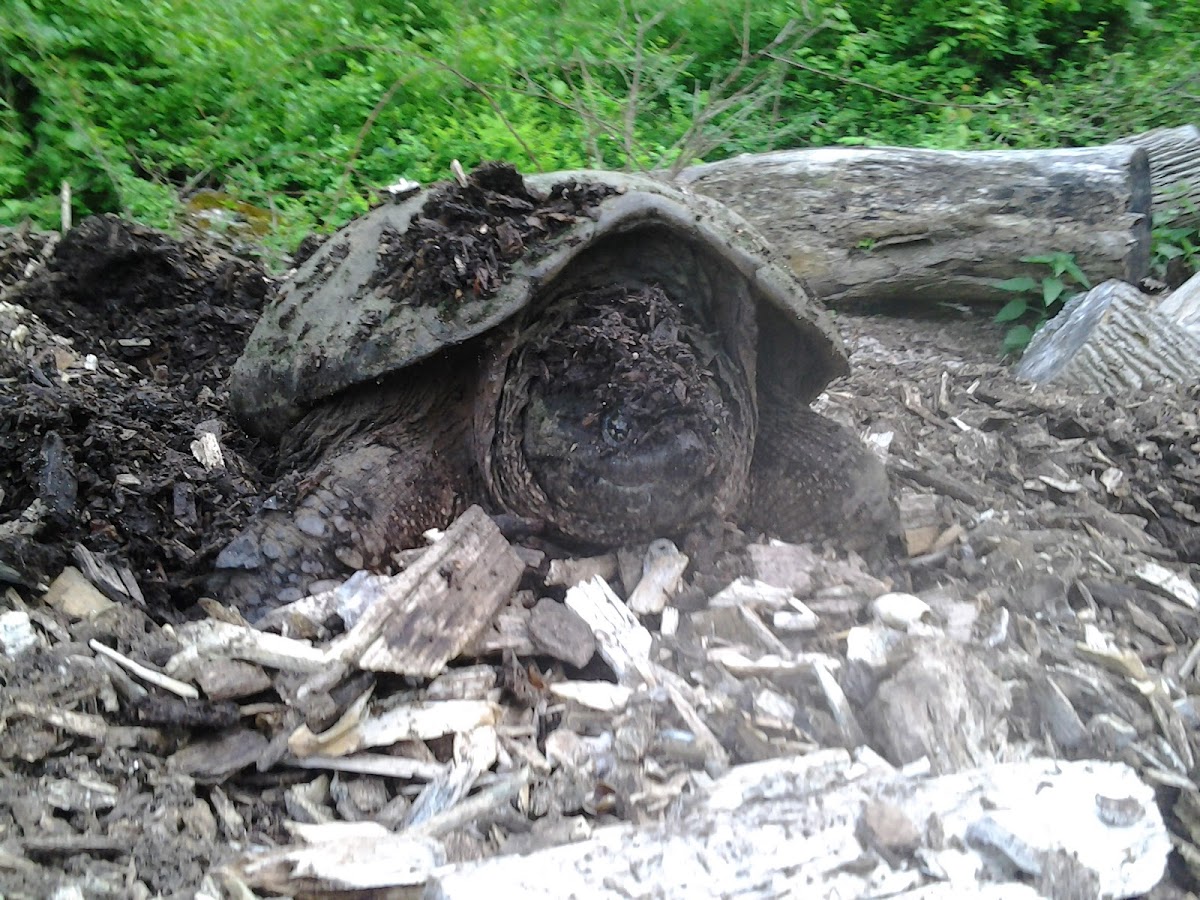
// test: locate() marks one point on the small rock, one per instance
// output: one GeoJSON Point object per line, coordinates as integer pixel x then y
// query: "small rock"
{"type": "Point", "coordinates": [570, 572]}
{"type": "Point", "coordinates": [900, 611]}
{"type": "Point", "coordinates": [559, 632]}
{"type": "Point", "coordinates": [72, 594]}
{"type": "Point", "coordinates": [16, 633]}
{"type": "Point", "coordinates": [886, 829]}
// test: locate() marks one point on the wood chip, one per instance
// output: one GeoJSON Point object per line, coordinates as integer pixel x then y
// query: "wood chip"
{"type": "Point", "coordinates": [431, 612]}
{"type": "Point", "coordinates": [76, 596]}
{"type": "Point", "coordinates": [1172, 584]}
{"type": "Point", "coordinates": [662, 572]}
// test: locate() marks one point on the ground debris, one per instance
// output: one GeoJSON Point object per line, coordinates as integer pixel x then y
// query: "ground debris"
{"type": "Point", "coordinates": [418, 728]}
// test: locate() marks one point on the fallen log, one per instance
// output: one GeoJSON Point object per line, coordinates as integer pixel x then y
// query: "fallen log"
{"type": "Point", "coordinates": [1174, 155]}
{"type": "Point", "coordinates": [807, 827]}
{"type": "Point", "coordinates": [890, 223]}
{"type": "Point", "coordinates": [1111, 339]}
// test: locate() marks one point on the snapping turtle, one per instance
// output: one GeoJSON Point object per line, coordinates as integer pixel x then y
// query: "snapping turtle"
{"type": "Point", "coordinates": [605, 354]}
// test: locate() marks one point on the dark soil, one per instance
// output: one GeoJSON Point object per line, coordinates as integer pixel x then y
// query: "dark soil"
{"type": "Point", "coordinates": [466, 237]}
{"type": "Point", "coordinates": [109, 451]}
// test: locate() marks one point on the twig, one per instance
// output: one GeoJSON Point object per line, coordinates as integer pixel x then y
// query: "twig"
{"type": "Point", "coordinates": [845, 79]}
{"type": "Point", "coordinates": [166, 682]}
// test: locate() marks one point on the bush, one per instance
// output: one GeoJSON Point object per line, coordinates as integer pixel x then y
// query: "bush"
{"type": "Point", "coordinates": [303, 110]}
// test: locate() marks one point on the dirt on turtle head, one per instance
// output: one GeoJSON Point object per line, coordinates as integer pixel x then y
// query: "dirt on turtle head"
{"type": "Point", "coordinates": [621, 417]}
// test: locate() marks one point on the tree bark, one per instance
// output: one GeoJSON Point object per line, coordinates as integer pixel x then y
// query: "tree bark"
{"type": "Point", "coordinates": [1182, 306]}
{"type": "Point", "coordinates": [889, 224]}
{"type": "Point", "coordinates": [1174, 173]}
{"type": "Point", "coordinates": [1109, 340]}
{"type": "Point", "coordinates": [794, 827]}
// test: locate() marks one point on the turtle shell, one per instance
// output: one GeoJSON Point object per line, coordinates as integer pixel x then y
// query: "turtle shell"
{"type": "Point", "coordinates": [351, 314]}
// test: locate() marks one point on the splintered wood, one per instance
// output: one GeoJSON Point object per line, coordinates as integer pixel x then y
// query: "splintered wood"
{"type": "Point", "coordinates": [429, 613]}
{"type": "Point", "coordinates": [785, 823]}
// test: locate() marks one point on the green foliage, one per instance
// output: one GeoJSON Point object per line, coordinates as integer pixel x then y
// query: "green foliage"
{"type": "Point", "coordinates": [306, 110]}
{"type": "Point", "coordinates": [1038, 299]}
{"type": "Point", "coordinates": [1173, 246]}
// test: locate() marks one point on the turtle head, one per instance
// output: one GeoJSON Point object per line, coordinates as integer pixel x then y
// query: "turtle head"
{"type": "Point", "coordinates": [621, 418]}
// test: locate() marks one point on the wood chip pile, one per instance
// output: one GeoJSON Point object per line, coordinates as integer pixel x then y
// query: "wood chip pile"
{"type": "Point", "coordinates": [1012, 720]}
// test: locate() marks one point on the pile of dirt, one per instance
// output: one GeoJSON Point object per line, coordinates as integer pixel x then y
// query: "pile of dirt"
{"type": "Point", "coordinates": [98, 417]}
{"type": "Point", "coordinates": [467, 236]}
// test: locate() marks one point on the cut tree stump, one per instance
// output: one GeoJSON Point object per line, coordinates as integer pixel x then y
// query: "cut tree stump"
{"type": "Point", "coordinates": [890, 224]}
{"type": "Point", "coordinates": [1109, 340]}
{"type": "Point", "coordinates": [1174, 173]}
{"type": "Point", "coordinates": [1182, 306]}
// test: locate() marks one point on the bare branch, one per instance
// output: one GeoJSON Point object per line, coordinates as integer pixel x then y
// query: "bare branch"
{"type": "Point", "coordinates": [844, 79]}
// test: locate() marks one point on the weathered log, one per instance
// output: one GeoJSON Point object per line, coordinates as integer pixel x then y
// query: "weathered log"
{"type": "Point", "coordinates": [800, 827]}
{"type": "Point", "coordinates": [1109, 340]}
{"type": "Point", "coordinates": [889, 223]}
{"type": "Point", "coordinates": [1182, 306]}
{"type": "Point", "coordinates": [1174, 173]}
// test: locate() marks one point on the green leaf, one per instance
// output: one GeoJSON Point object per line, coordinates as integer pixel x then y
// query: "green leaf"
{"type": "Point", "coordinates": [1017, 339]}
{"type": "Point", "coordinates": [1077, 273]}
{"type": "Point", "coordinates": [1052, 289]}
{"type": "Point", "coordinates": [1022, 284]}
{"type": "Point", "coordinates": [1013, 309]}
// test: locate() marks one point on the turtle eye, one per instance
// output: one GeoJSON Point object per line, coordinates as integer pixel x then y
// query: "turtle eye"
{"type": "Point", "coordinates": [615, 429]}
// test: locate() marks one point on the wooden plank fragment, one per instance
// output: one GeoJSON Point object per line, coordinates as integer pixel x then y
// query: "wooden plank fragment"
{"type": "Point", "coordinates": [431, 612]}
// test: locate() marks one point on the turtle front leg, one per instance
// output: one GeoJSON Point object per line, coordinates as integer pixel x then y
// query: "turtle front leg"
{"type": "Point", "coordinates": [375, 470]}
{"type": "Point", "coordinates": [813, 479]}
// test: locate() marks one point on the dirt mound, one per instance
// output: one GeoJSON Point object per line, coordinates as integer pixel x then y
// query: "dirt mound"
{"type": "Point", "coordinates": [104, 394]}
{"type": "Point", "coordinates": [467, 236]}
